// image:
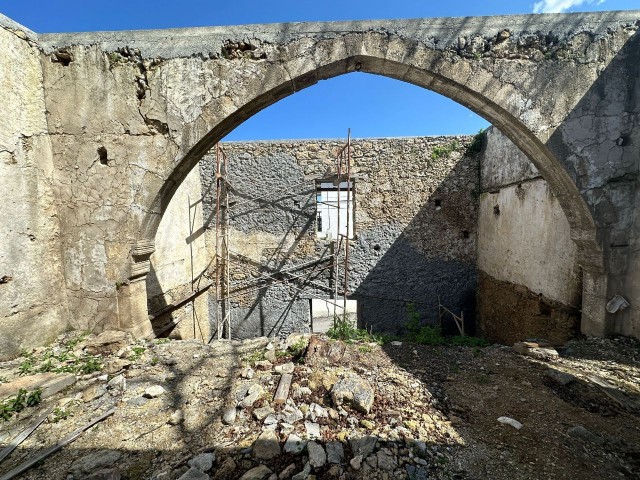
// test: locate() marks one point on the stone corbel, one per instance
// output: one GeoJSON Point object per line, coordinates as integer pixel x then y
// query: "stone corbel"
{"type": "Point", "coordinates": [141, 252]}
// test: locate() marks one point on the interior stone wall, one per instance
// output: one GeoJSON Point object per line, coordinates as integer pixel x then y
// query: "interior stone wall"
{"type": "Point", "coordinates": [178, 265]}
{"type": "Point", "coordinates": [33, 301]}
{"type": "Point", "coordinates": [416, 202]}
{"type": "Point", "coordinates": [529, 279]}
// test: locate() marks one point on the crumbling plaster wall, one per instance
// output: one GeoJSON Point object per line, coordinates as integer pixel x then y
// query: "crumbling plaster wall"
{"type": "Point", "coordinates": [529, 282]}
{"type": "Point", "coordinates": [178, 266]}
{"type": "Point", "coordinates": [33, 301]}
{"type": "Point", "coordinates": [409, 248]}
{"type": "Point", "coordinates": [560, 86]}
{"type": "Point", "coordinates": [563, 88]}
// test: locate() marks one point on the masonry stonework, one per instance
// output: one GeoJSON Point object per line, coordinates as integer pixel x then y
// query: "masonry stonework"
{"type": "Point", "coordinates": [416, 205]}
{"type": "Point", "coordinates": [127, 115]}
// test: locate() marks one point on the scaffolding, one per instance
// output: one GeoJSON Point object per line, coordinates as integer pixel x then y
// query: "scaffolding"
{"type": "Point", "coordinates": [338, 248]}
{"type": "Point", "coordinates": [223, 310]}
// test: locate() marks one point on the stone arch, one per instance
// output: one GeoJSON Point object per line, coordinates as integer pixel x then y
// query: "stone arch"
{"type": "Point", "coordinates": [468, 81]}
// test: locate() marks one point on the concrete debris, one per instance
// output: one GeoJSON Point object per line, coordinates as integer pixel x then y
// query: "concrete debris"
{"type": "Point", "coordinates": [405, 433]}
{"type": "Point", "coordinates": [154, 391]}
{"type": "Point", "coordinates": [618, 302]}
{"type": "Point", "coordinates": [510, 421]}
{"type": "Point", "coordinates": [532, 350]}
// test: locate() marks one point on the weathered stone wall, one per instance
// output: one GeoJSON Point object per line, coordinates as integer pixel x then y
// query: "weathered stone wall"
{"type": "Point", "coordinates": [529, 280]}
{"type": "Point", "coordinates": [33, 302]}
{"type": "Point", "coordinates": [129, 114]}
{"type": "Point", "coordinates": [178, 265]}
{"type": "Point", "coordinates": [416, 215]}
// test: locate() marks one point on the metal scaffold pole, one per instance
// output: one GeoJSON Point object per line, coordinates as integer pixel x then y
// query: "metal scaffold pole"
{"type": "Point", "coordinates": [223, 311]}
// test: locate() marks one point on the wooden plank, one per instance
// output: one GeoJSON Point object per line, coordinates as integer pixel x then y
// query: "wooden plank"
{"type": "Point", "coordinates": [65, 441]}
{"type": "Point", "coordinates": [21, 438]}
{"type": "Point", "coordinates": [282, 392]}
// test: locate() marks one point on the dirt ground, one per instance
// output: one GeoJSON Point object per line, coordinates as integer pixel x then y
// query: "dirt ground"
{"type": "Point", "coordinates": [476, 386]}
{"type": "Point", "coordinates": [434, 415]}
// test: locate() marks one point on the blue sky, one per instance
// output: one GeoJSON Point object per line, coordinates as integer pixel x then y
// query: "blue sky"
{"type": "Point", "coordinates": [370, 105]}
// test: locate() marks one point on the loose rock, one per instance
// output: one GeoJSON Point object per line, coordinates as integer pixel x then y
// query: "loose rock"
{"type": "Point", "coordinates": [355, 391]}
{"type": "Point", "coordinates": [257, 473]}
{"type": "Point", "coordinates": [267, 445]}
{"type": "Point", "coordinates": [154, 391]}
{"type": "Point", "coordinates": [203, 462]}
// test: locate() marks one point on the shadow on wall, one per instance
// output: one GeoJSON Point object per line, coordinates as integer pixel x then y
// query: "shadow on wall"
{"type": "Point", "coordinates": [598, 143]}
{"type": "Point", "coordinates": [431, 261]}
{"type": "Point", "coordinates": [416, 242]}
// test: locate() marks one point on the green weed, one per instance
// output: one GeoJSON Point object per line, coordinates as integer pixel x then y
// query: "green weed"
{"type": "Point", "coordinates": [138, 351]}
{"type": "Point", "coordinates": [441, 151]}
{"type": "Point", "coordinates": [19, 402]}
{"type": "Point", "coordinates": [478, 142]}
{"type": "Point", "coordinates": [344, 329]}
{"type": "Point", "coordinates": [60, 414]}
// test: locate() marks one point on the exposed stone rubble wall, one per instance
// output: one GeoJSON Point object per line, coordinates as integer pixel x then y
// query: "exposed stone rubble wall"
{"type": "Point", "coordinates": [416, 216]}
{"type": "Point", "coordinates": [33, 301]}
{"type": "Point", "coordinates": [529, 280]}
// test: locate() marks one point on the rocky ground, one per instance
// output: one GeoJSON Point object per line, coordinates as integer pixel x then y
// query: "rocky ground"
{"type": "Point", "coordinates": [182, 410]}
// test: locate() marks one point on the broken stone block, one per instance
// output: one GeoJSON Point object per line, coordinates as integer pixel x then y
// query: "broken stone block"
{"type": "Point", "coordinates": [107, 343]}
{"type": "Point", "coordinates": [354, 391]}
{"type": "Point", "coordinates": [93, 392]}
{"type": "Point", "coordinates": [317, 455]}
{"type": "Point", "coordinates": [254, 392]}
{"type": "Point", "coordinates": [92, 463]}
{"type": "Point", "coordinates": [294, 444]}
{"type": "Point", "coordinates": [261, 472]}
{"type": "Point", "coordinates": [50, 383]}
{"type": "Point", "coordinates": [229, 416]}
{"type": "Point", "coordinates": [267, 445]}
{"type": "Point", "coordinates": [335, 452]}
{"type": "Point", "coordinates": [285, 368]}
{"type": "Point", "coordinates": [194, 474]}
{"type": "Point", "coordinates": [363, 446]}
{"type": "Point", "coordinates": [203, 462]}
{"type": "Point", "coordinates": [154, 391]}
{"type": "Point", "coordinates": [105, 474]}
{"type": "Point", "coordinates": [261, 413]}
{"type": "Point", "coordinates": [561, 378]}
{"type": "Point", "coordinates": [541, 353]}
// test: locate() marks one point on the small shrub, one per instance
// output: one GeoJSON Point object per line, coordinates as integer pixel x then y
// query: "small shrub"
{"type": "Point", "coordinates": [478, 142]}
{"type": "Point", "coordinates": [90, 365]}
{"type": "Point", "coordinates": [467, 341]}
{"type": "Point", "coordinates": [344, 329]}
{"type": "Point", "coordinates": [441, 151]}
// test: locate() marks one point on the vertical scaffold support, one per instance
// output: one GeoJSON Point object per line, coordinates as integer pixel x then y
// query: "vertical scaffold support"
{"type": "Point", "coordinates": [223, 310]}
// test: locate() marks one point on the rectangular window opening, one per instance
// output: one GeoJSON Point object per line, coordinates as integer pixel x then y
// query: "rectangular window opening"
{"type": "Point", "coordinates": [335, 208]}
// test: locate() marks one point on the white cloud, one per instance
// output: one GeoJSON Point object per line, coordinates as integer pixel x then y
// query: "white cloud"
{"type": "Point", "coordinates": [559, 6]}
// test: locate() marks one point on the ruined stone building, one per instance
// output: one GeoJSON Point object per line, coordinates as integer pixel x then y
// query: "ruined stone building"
{"type": "Point", "coordinates": [108, 159]}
